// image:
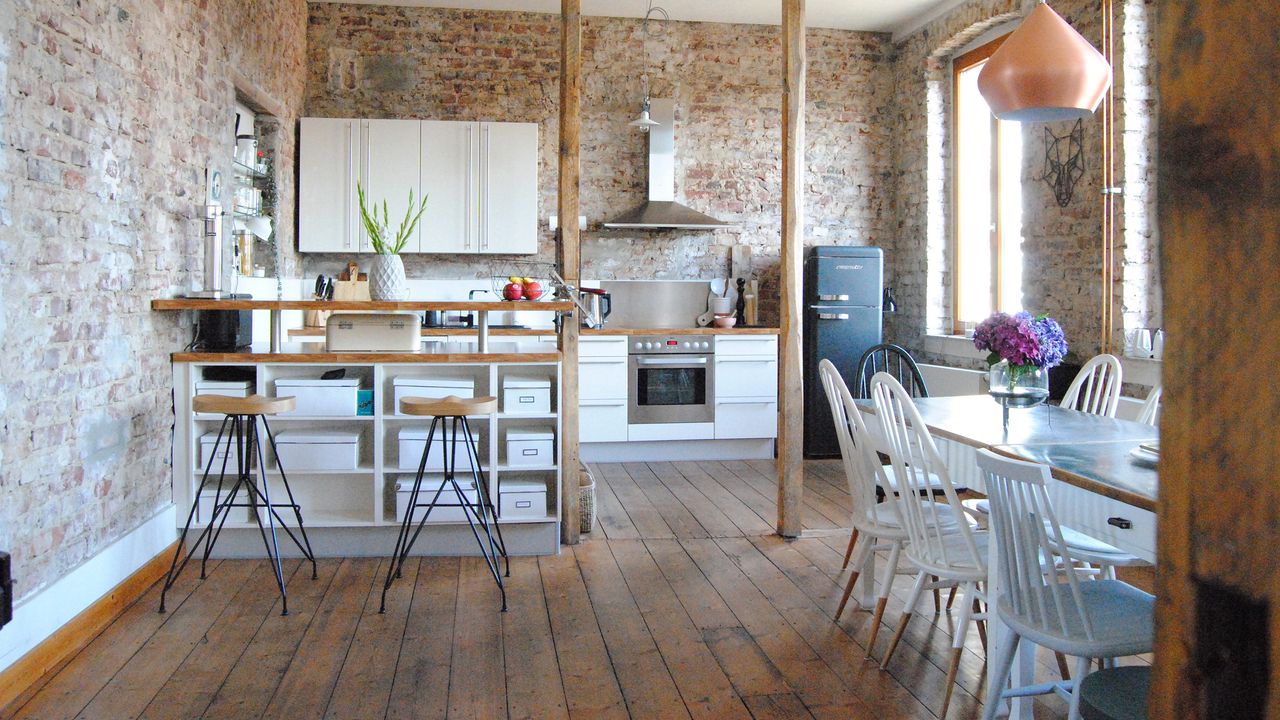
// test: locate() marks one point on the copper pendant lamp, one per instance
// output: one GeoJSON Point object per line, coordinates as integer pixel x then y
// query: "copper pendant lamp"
{"type": "Point", "coordinates": [1044, 71]}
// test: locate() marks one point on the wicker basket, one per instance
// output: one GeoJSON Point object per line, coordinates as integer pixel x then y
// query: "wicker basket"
{"type": "Point", "coordinates": [586, 499]}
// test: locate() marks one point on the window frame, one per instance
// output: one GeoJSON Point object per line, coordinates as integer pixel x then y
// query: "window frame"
{"type": "Point", "coordinates": [959, 64]}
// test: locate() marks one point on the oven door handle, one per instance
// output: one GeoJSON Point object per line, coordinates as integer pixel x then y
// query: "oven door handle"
{"type": "Point", "coordinates": [671, 361]}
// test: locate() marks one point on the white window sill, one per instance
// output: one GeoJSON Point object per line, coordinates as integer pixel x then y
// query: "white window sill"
{"type": "Point", "coordinates": [955, 345]}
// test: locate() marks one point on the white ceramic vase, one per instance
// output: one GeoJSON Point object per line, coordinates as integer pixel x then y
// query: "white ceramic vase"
{"type": "Point", "coordinates": [386, 278]}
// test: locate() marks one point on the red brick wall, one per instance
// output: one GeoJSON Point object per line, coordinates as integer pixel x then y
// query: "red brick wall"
{"type": "Point", "coordinates": [109, 113]}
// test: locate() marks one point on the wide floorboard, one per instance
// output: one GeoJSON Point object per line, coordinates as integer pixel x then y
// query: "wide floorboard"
{"type": "Point", "coordinates": [681, 603]}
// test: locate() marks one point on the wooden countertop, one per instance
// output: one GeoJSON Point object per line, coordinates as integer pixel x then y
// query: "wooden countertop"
{"type": "Point", "coordinates": [681, 331]}
{"type": "Point", "coordinates": [432, 353]}
{"type": "Point", "coordinates": [446, 331]}
{"type": "Point", "coordinates": [366, 305]}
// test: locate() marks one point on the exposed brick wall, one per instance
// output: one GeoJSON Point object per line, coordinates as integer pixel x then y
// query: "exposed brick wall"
{"type": "Point", "coordinates": [376, 61]}
{"type": "Point", "coordinates": [109, 113]}
{"type": "Point", "coordinates": [1061, 246]}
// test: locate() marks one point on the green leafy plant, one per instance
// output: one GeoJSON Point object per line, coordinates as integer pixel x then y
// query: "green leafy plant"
{"type": "Point", "coordinates": [378, 226]}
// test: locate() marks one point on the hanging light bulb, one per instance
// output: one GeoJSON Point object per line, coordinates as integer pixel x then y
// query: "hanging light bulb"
{"type": "Point", "coordinates": [1044, 71]}
{"type": "Point", "coordinates": [644, 122]}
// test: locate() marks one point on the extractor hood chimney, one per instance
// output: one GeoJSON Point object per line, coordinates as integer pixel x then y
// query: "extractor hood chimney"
{"type": "Point", "coordinates": [661, 211]}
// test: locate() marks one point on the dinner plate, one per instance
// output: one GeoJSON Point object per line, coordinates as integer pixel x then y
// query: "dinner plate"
{"type": "Point", "coordinates": [1143, 456]}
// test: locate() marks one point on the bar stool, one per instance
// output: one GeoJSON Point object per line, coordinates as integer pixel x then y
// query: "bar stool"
{"type": "Point", "coordinates": [241, 416]}
{"type": "Point", "coordinates": [447, 415]}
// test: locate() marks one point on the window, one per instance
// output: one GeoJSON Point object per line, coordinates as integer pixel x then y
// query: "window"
{"type": "Point", "coordinates": [987, 177]}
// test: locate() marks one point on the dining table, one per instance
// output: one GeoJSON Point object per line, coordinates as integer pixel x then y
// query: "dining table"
{"type": "Point", "coordinates": [1104, 481]}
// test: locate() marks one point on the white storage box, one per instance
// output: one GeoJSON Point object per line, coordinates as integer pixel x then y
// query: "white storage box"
{"type": "Point", "coordinates": [432, 388]}
{"type": "Point", "coordinates": [320, 397]}
{"type": "Point", "coordinates": [204, 513]}
{"type": "Point", "coordinates": [532, 447]}
{"type": "Point", "coordinates": [430, 483]}
{"type": "Point", "coordinates": [526, 394]}
{"type": "Point", "coordinates": [412, 440]}
{"type": "Point", "coordinates": [522, 500]}
{"type": "Point", "coordinates": [207, 442]}
{"type": "Point", "coordinates": [230, 388]}
{"type": "Point", "coordinates": [318, 450]}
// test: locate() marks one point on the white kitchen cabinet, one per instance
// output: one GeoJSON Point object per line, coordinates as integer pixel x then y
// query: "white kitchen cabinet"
{"type": "Point", "coordinates": [602, 389]}
{"type": "Point", "coordinates": [481, 182]}
{"type": "Point", "coordinates": [508, 162]}
{"type": "Point", "coordinates": [389, 169]}
{"type": "Point", "coordinates": [746, 390]}
{"type": "Point", "coordinates": [328, 215]}
{"type": "Point", "coordinates": [447, 172]}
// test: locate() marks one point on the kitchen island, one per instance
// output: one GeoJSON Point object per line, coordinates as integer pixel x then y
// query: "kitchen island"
{"type": "Point", "coordinates": [350, 505]}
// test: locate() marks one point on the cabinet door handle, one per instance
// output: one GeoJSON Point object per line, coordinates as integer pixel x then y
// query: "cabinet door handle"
{"type": "Point", "coordinates": [349, 223]}
{"type": "Point", "coordinates": [466, 226]}
{"type": "Point", "coordinates": [484, 190]}
{"type": "Point", "coordinates": [1120, 522]}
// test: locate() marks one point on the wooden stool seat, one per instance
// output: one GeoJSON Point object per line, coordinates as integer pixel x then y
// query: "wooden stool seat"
{"type": "Point", "coordinates": [252, 405]}
{"type": "Point", "coordinates": [449, 406]}
{"type": "Point", "coordinates": [1115, 693]}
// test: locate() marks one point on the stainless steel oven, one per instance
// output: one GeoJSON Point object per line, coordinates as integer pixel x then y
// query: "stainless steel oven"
{"type": "Point", "coordinates": [671, 379]}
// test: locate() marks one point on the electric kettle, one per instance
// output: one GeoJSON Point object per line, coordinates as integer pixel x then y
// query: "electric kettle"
{"type": "Point", "coordinates": [598, 304]}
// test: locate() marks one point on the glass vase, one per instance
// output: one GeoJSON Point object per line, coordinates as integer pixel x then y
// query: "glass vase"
{"type": "Point", "coordinates": [1019, 386]}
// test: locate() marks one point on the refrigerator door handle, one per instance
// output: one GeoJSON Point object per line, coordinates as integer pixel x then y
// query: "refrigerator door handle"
{"type": "Point", "coordinates": [833, 316]}
{"type": "Point", "coordinates": [833, 298]}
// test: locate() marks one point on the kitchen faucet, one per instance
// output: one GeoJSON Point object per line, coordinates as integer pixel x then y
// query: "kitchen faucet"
{"type": "Point", "coordinates": [471, 316]}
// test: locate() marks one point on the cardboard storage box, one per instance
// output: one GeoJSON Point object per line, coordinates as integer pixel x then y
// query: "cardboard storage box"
{"type": "Point", "coordinates": [318, 450]}
{"type": "Point", "coordinates": [204, 513]}
{"type": "Point", "coordinates": [430, 483]}
{"type": "Point", "coordinates": [412, 440]}
{"type": "Point", "coordinates": [529, 394]}
{"type": "Point", "coordinates": [432, 388]}
{"type": "Point", "coordinates": [314, 396]}
{"type": "Point", "coordinates": [522, 499]}
{"type": "Point", "coordinates": [531, 447]}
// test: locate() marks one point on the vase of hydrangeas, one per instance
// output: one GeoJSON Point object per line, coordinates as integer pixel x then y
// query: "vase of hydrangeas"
{"type": "Point", "coordinates": [1022, 348]}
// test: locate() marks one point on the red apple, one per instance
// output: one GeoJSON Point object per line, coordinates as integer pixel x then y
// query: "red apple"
{"type": "Point", "coordinates": [532, 289]}
{"type": "Point", "coordinates": [513, 291]}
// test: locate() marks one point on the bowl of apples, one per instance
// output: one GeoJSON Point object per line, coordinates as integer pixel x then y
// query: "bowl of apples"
{"type": "Point", "coordinates": [522, 288]}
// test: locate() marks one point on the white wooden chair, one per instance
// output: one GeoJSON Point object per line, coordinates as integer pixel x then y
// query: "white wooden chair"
{"type": "Point", "coordinates": [876, 525]}
{"type": "Point", "coordinates": [1096, 388]}
{"type": "Point", "coordinates": [951, 551]}
{"type": "Point", "coordinates": [1150, 413]}
{"type": "Point", "coordinates": [1044, 601]}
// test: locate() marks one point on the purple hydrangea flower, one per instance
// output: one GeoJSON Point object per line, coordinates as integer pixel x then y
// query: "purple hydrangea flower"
{"type": "Point", "coordinates": [1022, 339]}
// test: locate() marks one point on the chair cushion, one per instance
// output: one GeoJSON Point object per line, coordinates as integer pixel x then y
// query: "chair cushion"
{"type": "Point", "coordinates": [886, 515]}
{"type": "Point", "coordinates": [1121, 615]}
{"type": "Point", "coordinates": [1116, 694]}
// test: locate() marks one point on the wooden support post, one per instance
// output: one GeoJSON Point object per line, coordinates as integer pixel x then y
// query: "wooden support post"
{"type": "Point", "coordinates": [790, 365]}
{"type": "Point", "coordinates": [569, 258]}
{"type": "Point", "coordinates": [1218, 590]}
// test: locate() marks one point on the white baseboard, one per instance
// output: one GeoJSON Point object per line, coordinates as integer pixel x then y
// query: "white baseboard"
{"type": "Point", "coordinates": [38, 616]}
{"type": "Point", "coordinates": [678, 451]}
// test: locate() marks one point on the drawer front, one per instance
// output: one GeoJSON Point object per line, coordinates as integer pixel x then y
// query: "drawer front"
{"type": "Point", "coordinates": [747, 418]}
{"type": "Point", "coordinates": [602, 378]}
{"type": "Point", "coordinates": [746, 377]}
{"type": "Point", "coordinates": [602, 421]}
{"type": "Point", "coordinates": [746, 345]}
{"type": "Point", "coordinates": [602, 347]}
{"type": "Point", "coordinates": [1127, 527]}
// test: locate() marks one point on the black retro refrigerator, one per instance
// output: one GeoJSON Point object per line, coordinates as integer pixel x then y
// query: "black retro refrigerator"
{"type": "Point", "coordinates": [842, 295]}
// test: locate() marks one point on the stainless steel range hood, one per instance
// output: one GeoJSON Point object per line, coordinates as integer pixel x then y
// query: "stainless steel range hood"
{"type": "Point", "coordinates": [662, 212]}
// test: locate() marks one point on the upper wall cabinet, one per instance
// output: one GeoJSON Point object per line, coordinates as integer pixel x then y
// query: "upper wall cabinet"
{"type": "Point", "coordinates": [481, 181]}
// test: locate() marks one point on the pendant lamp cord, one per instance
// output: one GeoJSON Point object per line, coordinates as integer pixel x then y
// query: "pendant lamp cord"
{"type": "Point", "coordinates": [645, 33]}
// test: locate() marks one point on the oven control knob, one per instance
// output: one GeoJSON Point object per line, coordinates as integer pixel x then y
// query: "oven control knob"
{"type": "Point", "coordinates": [648, 346]}
{"type": "Point", "coordinates": [639, 346]}
{"type": "Point", "coordinates": [706, 345]}
{"type": "Point", "coordinates": [686, 345]}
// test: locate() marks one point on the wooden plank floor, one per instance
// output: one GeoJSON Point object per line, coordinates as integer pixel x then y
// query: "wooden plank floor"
{"type": "Point", "coordinates": [681, 603]}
